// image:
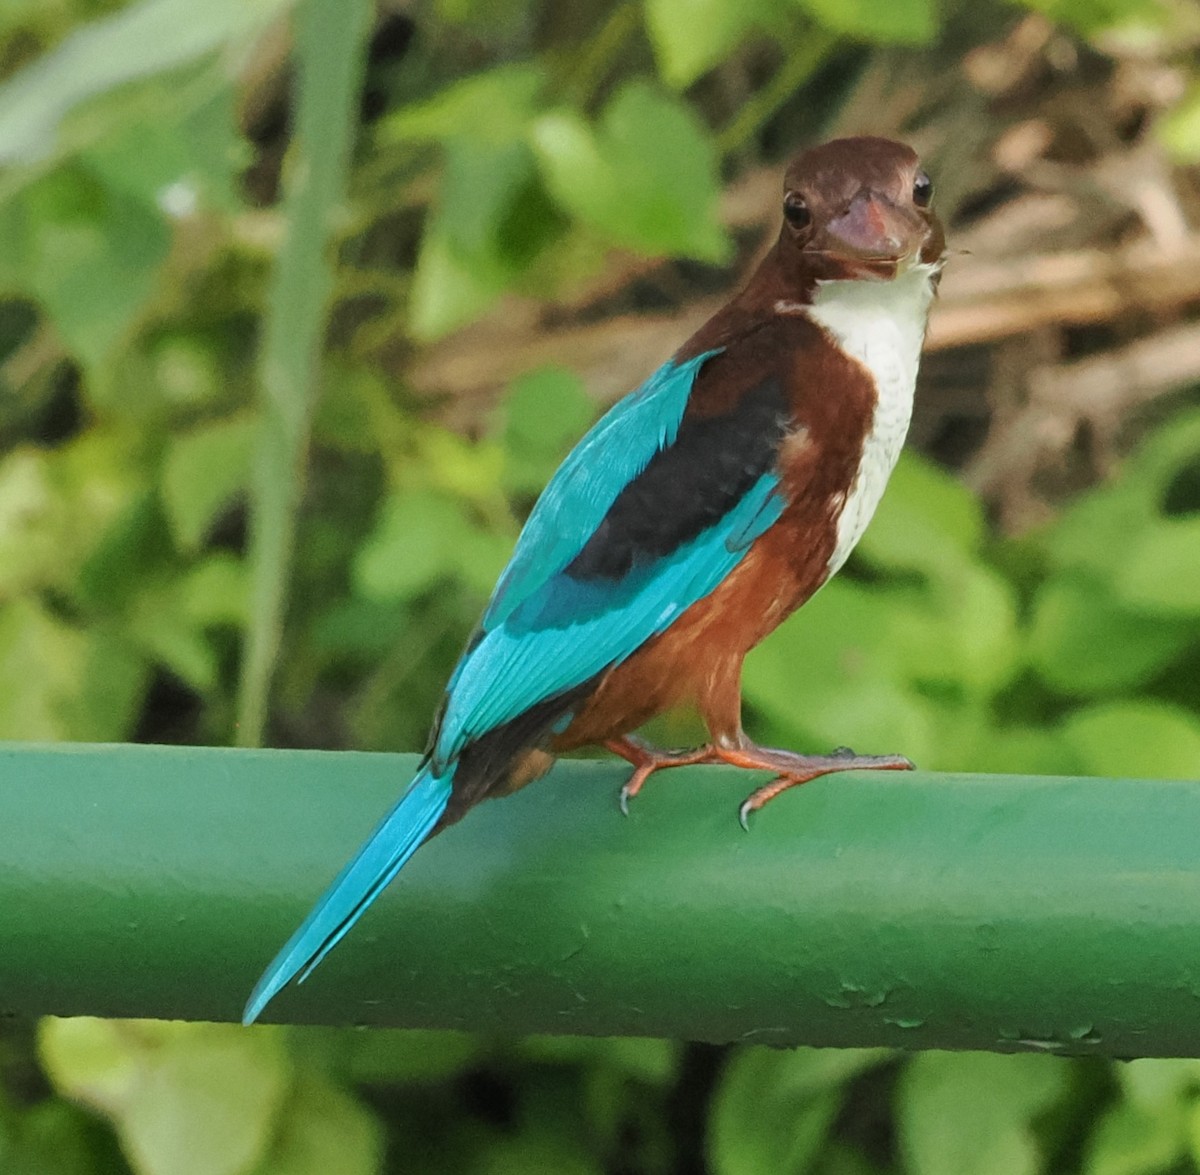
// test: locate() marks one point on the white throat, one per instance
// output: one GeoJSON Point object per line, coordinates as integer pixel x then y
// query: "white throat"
{"type": "Point", "coordinates": [882, 326]}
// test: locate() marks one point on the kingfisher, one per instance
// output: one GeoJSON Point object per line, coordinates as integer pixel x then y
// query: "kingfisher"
{"type": "Point", "coordinates": [696, 515]}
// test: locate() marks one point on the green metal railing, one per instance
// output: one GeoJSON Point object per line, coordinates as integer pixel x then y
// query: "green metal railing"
{"type": "Point", "coordinates": [925, 911]}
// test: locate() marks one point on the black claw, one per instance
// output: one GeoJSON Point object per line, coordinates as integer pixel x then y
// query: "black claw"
{"type": "Point", "coordinates": [843, 753]}
{"type": "Point", "coordinates": [744, 811]}
{"type": "Point", "coordinates": [623, 801]}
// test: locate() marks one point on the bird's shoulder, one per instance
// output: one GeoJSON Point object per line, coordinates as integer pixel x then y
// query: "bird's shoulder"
{"type": "Point", "coordinates": [776, 351]}
{"type": "Point", "coordinates": [749, 347]}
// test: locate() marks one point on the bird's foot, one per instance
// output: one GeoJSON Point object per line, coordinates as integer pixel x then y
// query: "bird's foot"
{"type": "Point", "coordinates": [647, 759]}
{"type": "Point", "coordinates": [792, 769]}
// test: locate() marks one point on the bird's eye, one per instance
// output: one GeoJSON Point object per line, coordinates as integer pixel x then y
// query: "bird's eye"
{"type": "Point", "coordinates": [922, 190]}
{"type": "Point", "coordinates": [795, 210]}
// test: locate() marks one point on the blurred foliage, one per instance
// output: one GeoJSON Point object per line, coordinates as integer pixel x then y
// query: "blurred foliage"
{"type": "Point", "coordinates": [502, 146]}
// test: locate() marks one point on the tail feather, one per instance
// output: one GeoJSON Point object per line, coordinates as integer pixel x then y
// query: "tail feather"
{"type": "Point", "coordinates": [398, 836]}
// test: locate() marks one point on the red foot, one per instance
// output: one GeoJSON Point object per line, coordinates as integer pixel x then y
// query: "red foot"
{"type": "Point", "coordinates": [647, 760]}
{"type": "Point", "coordinates": [792, 769]}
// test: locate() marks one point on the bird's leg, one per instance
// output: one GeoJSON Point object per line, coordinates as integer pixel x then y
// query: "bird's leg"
{"type": "Point", "coordinates": [721, 705]}
{"type": "Point", "coordinates": [647, 759]}
{"type": "Point", "coordinates": [792, 769]}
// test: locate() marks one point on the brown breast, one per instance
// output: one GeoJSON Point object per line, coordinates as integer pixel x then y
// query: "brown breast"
{"type": "Point", "coordinates": [832, 400]}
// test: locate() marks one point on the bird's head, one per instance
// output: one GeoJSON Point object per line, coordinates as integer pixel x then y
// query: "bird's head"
{"type": "Point", "coordinates": [858, 208]}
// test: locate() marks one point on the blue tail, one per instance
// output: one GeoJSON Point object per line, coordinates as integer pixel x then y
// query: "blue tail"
{"type": "Point", "coordinates": [399, 835]}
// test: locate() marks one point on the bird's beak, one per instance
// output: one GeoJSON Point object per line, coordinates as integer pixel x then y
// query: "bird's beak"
{"type": "Point", "coordinates": [875, 229]}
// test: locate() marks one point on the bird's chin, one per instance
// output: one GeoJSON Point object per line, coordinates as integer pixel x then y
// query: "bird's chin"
{"type": "Point", "coordinates": [854, 267]}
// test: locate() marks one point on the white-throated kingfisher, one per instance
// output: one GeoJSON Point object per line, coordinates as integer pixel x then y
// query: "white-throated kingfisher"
{"type": "Point", "coordinates": [697, 514]}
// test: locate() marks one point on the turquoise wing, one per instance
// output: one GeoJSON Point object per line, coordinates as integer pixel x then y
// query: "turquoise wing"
{"type": "Point", "coordinates": [646, 517]}
{"type": "Point", "coordinates": [569, 631]}
{"type": "Point", "coordinates": [608, 457]}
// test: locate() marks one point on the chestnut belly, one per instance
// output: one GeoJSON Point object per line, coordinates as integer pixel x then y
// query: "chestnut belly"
{"type": "Point", "coordinates": [700, 655]}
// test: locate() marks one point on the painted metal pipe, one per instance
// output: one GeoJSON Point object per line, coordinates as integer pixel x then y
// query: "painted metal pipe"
{"type": "Point", "coordinates": [913, 910]}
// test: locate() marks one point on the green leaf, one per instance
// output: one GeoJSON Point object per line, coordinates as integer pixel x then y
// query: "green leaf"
{"type": "Point", "coordinates": [41, 662]}
{"type": "Point", "coordinates": [840, 1159]}
{"type": "Point", "coordinates": [545, 413]}
{"type": "Point", "coordinates": [359, 629]}
{"type": "Point", "coordinates": [1106, 520]}
{"type": "Point", "coordinates": [329, 55]}
{"type": "Point", "coordinates": [51, 1138]}
{"type": "Point", "coordinates": [107, 698]}
{"type": "Point", "coordinates": [1159, 571]}
{"type": "Point", "coordinates": [1149, 739]}
{"type": "Point", "coordinates": [480, 557]}
{"type": "Point", "coordinates": [205, 1106]}
{"type": "Point", "coordinates": [491, 221]}
{"type": "Point", "coordinates": [646, 178]}
{"type": "Point", "coordinates": [903, 21]}
{"type": "Point", "coordinates": [132, 579]}
{"type": "Point", "coordinates": [214, 592]}
{"type": "Point", "coordinates": [1157, 1082]}
{"type": "Point", "coordinates": [56, 507]}
{"type": "Point", "coordinates": [410, 1056]}
{"type": "Point", "coordinates": [185, 371]}
{"type": "Point", "coordinates": [1193, 1131]}
{"type": "Point", "coordinates": [324, 1131]}
{"type": "Point", "coordinates": [1117, 517]}
{"type": "Point", "coordinates": [412, 547]}
{"type": "Point", "coordinates": [478, 189]}
{"type": "Point", "coordinates": [32, 523]}
{"type": "Point", "coordinates": [1084, 641]}
{"type": "Point", "coordinates": [135, 42]}
{"type": "Point", "coordinates": [928, 521]}
{"type": "Point", "coordinates": [1132, 1139]}
{"type": "Point", "coordinates": [185, 159]}
{"type": "Point", "coordinates": [472, 471]}
{"type": "Point", "coordinates": [835, 674]}
{"type": "Point", "coordinates": [1020, 750]}
{"type": "Point", "coordinates": [773, 1108]}
{"type": "Point", "coordinates": [652, 1062]}
{"type": "Point", "coordinates": [133, 552]}
{"type": "Point", "coordinates": [547, 1143]}
{"type": "Point", "coordinates": [27, 17]}
{"type": "Point", "coordinates": [689, 37]}
{"type": "Point", "coordinates": [969, 634]}
{"type": "Point", "coordinates": [446, 293]}
{"type": "Point", "coordinates": [186, 1099]}
{"type": "Point", "coordinates": [1170, 451]}
{"type": "Point", "coordinates": [972, 1113]}
{"type": "Point", "coordinates": [88, 252]}
{"type": "Point", "coordinates": [158, 625]}
{"type": "Point", "coordinates": [493, 108]}
{"type": "Point", "coordinates": [89, 1059]}
{"type": "Point", "coordinates": [489, 21]}
{"type": "Point", "coordinates": [203, 471]}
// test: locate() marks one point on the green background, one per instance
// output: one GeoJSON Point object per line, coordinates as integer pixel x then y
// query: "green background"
{"type": "Point", "coordinates": [229, 512]}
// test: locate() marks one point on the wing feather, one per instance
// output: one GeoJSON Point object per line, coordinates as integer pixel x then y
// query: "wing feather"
{"type": "Point", "coordinates": [569, 630]}
{"type": "Point", "coordinates": [611, 454]}
{"type": "Point", "coordinates": [647, 516]}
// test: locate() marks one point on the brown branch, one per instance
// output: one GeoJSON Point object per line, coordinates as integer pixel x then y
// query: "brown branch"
{"type": "Point", "coordinates": [1100, 391]}
{"type": "Point", "coordinates": [983, 301]}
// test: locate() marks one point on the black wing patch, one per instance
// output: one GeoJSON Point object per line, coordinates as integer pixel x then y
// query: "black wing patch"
{"type": "Point", "coordinates": [683, 490]}
{"type": "Point", "coordinates": [689, 486]}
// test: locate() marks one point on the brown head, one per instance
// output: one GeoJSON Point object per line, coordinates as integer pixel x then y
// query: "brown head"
{"type": "Point", "coordinates": [858, 208]}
